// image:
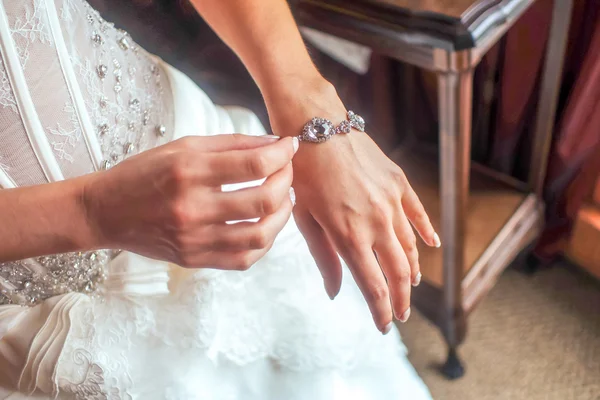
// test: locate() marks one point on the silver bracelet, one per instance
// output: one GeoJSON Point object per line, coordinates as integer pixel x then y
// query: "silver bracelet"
{"type": "Point", "coordinates": [319, 130]}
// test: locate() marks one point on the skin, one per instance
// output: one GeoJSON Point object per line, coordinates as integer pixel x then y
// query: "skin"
{"type": "Point", "coordinates": [165, 203]}
{"type": "Point", "coordinates": [351, 199]}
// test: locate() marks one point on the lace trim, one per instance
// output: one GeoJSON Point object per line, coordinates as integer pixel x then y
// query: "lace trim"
{"type": "Point", "coordinates": [31, 28]}
{"type": "Point", "coordinates": [67, 10]}
{"type": "Point", "coordinates": [66, 140]}
{"type": "Point", "coordinates": [81, 363]}
{"type": "Point", "coordinates": [7, 98]}
{"type": "Point", "coordinates": [93, 385]}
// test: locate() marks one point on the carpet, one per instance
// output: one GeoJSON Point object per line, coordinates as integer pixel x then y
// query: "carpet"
{"type": "Point", "coordinates": [533, 337]}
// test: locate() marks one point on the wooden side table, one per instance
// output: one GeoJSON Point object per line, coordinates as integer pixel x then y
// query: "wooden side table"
{"type": "Point", "coordinates": [486, 218]}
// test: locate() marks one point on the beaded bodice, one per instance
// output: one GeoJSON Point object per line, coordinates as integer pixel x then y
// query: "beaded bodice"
{"type": "Point", "coordinates": [76, 95]}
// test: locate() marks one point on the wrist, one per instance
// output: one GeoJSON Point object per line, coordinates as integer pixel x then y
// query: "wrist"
{"type": "Point", "coordinates": [293, 104]}
{"type": "Point", "coordinates": [87, 198]}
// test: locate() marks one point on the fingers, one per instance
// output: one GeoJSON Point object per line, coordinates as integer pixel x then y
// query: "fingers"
{"type": "Point", "coordinates": [247, 165]}
{"type": "Point", "coordinates": [251, 235]}
{"type": "Point", "coordinates": [408, 241]}
{"type": "Point", "coordinates": [323, 252]}
{"type": "Point", "coordinates": [397, 270]}
{"type": "Point", "coordinates": [418, 217]}
{"type": "Point", "coordinates": [218, 143]}
{"type": "Point", "coordinates": [242, 260]}
{"type": "Point", "coordinates": [372, 284]}
{"type": "Point", "coordinates": [227, 260]}
{"type": "Point", "coordinates": [254, 202]}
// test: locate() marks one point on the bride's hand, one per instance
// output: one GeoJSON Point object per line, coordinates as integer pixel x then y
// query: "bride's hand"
{"type": "Point", "coordinates": [167, 203]}
{"type": "Point", "coordinates": [353, 200]}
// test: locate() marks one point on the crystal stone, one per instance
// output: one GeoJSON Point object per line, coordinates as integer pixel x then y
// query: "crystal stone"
{"type": "Point", "coordinates": [124, 43]}
{"type": "Point", "coordinates": [320, 129]}
{"type": "Point", "coordinates": [97, 39]}
{"type": "Point", "coordinates": [356, 121]}
{"type": "Point", "coordinates": [102, 70]}
{"type": "Point", "coordinates": [103, 129]}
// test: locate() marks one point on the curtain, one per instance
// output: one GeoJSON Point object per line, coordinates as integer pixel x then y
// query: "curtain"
{"type": "Point", "coordinates": [575, 153]}
{"type": "Point", "coordinates": [575, 159]}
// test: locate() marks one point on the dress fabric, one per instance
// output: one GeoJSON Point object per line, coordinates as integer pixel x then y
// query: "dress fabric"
{"type": "Point", "coordinates": [78, 95]}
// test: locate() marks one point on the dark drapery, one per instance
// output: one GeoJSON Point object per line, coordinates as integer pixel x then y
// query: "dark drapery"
{"type": "Point", "coordinates": [573, 161]}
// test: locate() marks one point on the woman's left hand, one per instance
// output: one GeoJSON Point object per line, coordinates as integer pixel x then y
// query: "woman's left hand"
{"type": "Point", "coordinates": [353, 200]}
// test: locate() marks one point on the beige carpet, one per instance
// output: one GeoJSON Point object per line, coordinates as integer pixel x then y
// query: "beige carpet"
{"type": "Point", "coordinates": [533, 337]}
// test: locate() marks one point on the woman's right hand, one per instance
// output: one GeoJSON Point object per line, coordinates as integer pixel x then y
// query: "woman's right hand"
{"type": "Point", "coordinates": [167, 203]}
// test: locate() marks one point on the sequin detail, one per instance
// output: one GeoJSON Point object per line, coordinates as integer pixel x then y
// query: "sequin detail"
{"type": "Point", "coordinates": [28, 282]}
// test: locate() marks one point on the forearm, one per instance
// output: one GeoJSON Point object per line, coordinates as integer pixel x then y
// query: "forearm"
{"type": "Point", "coordinates": [265, 37]}
{"type": "Point", "coordinates": [43, 219]}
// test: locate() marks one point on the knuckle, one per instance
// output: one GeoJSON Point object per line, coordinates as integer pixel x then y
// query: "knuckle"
{"type": "Point", "coordinates": [187, 142]}
{"type": "Point", "coordinates": [268, 203]}
{"type": "Point", "coordinates": [421, 218]}
{"type": "Point", "coordinates": [185, 260]}
{"type": "Point", "coordinates": [410, 245]}
{"type": "Point", "coordinates": [403, 276]}
{"type": "Point", "coordinates": [243, 262]}
{"type": "Point", "coordinates": [179, 170]}
{"type": "Point", "coordinates": [399, 175]}
{"type": "Point", "coordinates": [351, 237]}
{"type": "Point", "coordinates": [259, 239]}
{"type": "Point", "coordinates": [380, 213]}
{"type": "Point", "coordinates": [391, 193]}
{"type": "Point", "coordinates": [347, 223]}
{"type": "Point", "coordinates": [237, 138]}
{"type": "Point", "coordinates": [376, 293]}
{"type": "Point", "coordinates": [182, 214]}
{"type": "Point", "coordinates": [258, 165]}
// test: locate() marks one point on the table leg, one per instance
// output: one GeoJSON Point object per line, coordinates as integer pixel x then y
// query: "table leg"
{"type": "Point", "coordinates": [455, 91]}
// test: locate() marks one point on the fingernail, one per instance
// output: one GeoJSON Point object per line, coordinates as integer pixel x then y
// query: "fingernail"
{"type": "Point", "coordinates": [296, 144]}
{"type": "Point", "coordinates": [436, 240]}
{"type": "Point", "coordinates": [387, 328]}
{"type": "Point", "coordinates": [404, 317]}
{"type": "Point", "coordinates": [417, 279]}
{"type": "Point", "coordinates": [330, 291]}
{"type": "Point", "coordinates": [293, 196]}
{"type": "Point", "coordinates": [272, 137]}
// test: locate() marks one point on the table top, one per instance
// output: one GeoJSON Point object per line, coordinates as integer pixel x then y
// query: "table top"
{"type": "Point", "coordinates": [449, 8]}
{"type": "Point", "coordinates": [460, 23]}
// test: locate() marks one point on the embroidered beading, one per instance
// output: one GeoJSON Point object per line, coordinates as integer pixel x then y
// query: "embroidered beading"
{"type": "Point", "coordinates": [28, 282]}
{"type": "Point", "coordinates": [125, 91]}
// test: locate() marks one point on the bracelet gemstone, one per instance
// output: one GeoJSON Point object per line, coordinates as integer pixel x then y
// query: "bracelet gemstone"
{"type": "Point", "coordinates": [319, 130]}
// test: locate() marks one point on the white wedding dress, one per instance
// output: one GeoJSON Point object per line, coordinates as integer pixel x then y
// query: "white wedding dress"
{"type": "Point", "coordinates": [78, 95]}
